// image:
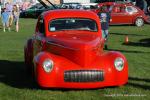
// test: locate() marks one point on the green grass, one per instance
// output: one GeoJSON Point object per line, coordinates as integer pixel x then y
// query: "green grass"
{"type": "Point", "coordinates": [16, 85]}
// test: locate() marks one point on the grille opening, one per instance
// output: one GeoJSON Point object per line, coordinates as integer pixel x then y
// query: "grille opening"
{"type": "Point", "coordinates": [84, 76]}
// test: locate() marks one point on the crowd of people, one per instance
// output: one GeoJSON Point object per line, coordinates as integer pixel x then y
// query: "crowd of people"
{"type": "Point", "coordinates": [9, 14]}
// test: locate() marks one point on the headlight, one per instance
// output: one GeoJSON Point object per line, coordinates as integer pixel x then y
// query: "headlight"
{"type": "Point", "coordinates": [48, 65]}
{"type": "Point", "coordinates": [119, 64]}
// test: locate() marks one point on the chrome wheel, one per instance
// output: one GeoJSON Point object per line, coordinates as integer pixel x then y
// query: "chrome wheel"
{"type": "Point", "coordinates": [139, 22]}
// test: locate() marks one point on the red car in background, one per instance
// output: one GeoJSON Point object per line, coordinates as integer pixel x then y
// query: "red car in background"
{"type": "Point", "coordinates": [66, 51]}
{"type": "Point", "coordinates": [125, 13]}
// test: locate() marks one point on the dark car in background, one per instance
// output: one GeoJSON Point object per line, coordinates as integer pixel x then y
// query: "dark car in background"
{"type": "Point", "coordinates": [85, 6]}
{"type": "Point", "coordinates": [34, 11]}
{"type": "Point", "coordinates": [70, 6]}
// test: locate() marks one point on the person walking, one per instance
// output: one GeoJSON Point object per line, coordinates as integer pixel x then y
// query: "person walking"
{"type": "Point", "coordinates": [105, 19]}
{"type": "Point", "coordinates": [16, 14]}
{"type": "Point", "coordinates": [5, 17]}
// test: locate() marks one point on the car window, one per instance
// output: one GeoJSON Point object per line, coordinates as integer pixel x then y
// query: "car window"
{"type": "Point", "coordinates": [131, 9]}
{"type": "Point", "coordinates": [117, 9]}
{"type": "Point", "coordinates": [72, 24]}
{"type": "Point", "coordinates": [70, 6]}
{"type": "Point", "coordinates": [41, 8]}
{"type": "Point", "coordinates": [36, 7]}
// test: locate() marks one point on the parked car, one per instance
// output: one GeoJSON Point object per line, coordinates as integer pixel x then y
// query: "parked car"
{"type": "Point", "coordinates": [89, 6]}
{"type": "Point", "coordinates": [70, 6]}
{"type": "Point", "coordinates": [66, 51]}
{"type": "Point", "coordinates": [125, 13]}
{"type": "Point", "coordinates": [35, 10]}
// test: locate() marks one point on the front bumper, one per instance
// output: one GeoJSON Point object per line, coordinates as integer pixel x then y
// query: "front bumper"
{"type": "Point", "coordinates": [82, 79]}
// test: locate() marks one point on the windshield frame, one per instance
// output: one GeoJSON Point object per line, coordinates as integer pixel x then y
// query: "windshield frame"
{"type": "Point", "coordinates": [96, 26]}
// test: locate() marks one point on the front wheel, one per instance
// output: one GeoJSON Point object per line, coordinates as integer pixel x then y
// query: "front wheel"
{"type": "Point", "coordinates": [148, 8]}
{"type": "Point", "coordinates": [139, 22]}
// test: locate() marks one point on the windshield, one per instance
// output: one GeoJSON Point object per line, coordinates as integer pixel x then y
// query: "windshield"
{"type": "Point", "coordinates": [72, 24]}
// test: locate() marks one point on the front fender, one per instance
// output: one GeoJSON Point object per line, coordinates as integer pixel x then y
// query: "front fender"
{"type": "Point", "coordinates": [38, 68]}
{"type": "Point", "coordinates": [43, 78]}
{"type": "Point", "coordinates": [120, 77]}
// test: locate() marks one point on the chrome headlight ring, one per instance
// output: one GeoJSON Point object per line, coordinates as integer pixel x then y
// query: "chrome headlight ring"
{"type": "Point", "coordinates": [48, 65]}
{"type": "Point", "coordinates": [119, 64]}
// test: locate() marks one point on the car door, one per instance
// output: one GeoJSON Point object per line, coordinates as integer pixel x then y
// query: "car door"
{"type": "Point", "coordinates": [131, 13]}
{"type": "Point", "coordinates": [39, 37]}
{"type": "Point", "coordinates": [119, 15]}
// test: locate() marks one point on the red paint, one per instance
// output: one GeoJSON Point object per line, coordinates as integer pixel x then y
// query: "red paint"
{"type": "Point", "coordinates": [72, 50]}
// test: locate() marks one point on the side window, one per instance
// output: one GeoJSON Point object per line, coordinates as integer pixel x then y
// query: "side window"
{"type": "Point", "coordinates": [131, 9]}
{"type": "Point", "coordinates": [117, 9]}
{"type": "Point", "coordinates": [41, 26]}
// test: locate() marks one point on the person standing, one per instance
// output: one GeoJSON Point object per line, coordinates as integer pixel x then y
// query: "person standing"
{"type": "Point", "coordinates": [5, 17]}
{"type": "Point", "coordinates": [16, 14]}
{"type": "Point", "coordinates": [9, 9]}
{"type": "Point", "coordinates": [105, 19]}
{"type": "Point", "coordinates": [145, 6]}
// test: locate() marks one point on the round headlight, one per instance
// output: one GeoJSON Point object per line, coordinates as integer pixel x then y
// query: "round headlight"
{"type": "Point", "coordinates": [48, 65]}
{"type": "Point", "coordinates": [119, 64]}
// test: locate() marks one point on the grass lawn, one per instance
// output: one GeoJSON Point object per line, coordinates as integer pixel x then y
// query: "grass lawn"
{"type": "Point", "coordinates": [16, 85]}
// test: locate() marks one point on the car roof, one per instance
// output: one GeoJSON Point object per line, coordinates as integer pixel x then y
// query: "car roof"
{"type": "Point", "coordinates": [66, 13]}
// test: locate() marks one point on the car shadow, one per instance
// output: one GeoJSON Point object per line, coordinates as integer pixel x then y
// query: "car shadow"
{"type": "Point", "coordinates": [13, 73]}
{"type": "Point", "coordinates": [138, 84]}
{"type": "Point", "coordinates": [139, 79]}
{"type": "Point", "coordinates": [127, 34]}
{"type": "Point", "coordinates": [127, 51]}
{"type": "Point", "coordinates": [1, 27]}
{"type": "Point", "coordinates": [123, 25]}
{"type": "Point", "coordinates": [142, 43]}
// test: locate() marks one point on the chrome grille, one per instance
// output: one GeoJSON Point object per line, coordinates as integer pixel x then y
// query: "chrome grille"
{"type": "Point", "coordinates": [83, 76]}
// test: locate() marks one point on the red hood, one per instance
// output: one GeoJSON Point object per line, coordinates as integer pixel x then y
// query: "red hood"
{"type": "Point", "coordinates": [81, 48]}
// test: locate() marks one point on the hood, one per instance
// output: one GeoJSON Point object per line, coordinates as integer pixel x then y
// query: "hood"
{"type": "Point", "coordinates": [80, 48]}
{"type": "Point", "coordinates": [47, 3]}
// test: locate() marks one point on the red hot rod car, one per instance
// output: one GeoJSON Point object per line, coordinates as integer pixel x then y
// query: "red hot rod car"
{"type": "Point", "coordinates": [66, 51]}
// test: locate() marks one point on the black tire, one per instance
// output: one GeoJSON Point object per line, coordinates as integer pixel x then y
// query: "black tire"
{"type": "Point", "coordinates": [139, 22]}
{"type": "Point", "coordinates": [28, 58]}
{"type": "Point", "coordinates": [148, 9]}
